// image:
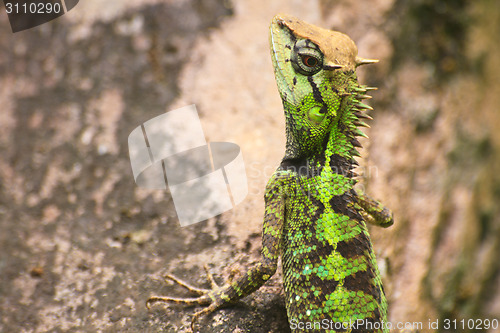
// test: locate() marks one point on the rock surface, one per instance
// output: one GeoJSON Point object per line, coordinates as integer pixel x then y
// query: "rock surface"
{"type": "Point", "coordinates": [82, 247]}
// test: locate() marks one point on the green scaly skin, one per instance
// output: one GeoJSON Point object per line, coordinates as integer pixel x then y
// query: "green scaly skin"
{"type": "Point", "coordinates": [314, 217]}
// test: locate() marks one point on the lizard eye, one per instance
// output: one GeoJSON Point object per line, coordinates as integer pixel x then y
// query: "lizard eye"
{"type": "Point", "coordinates": [309, 61]}
{"type": "Point", "coordinates": [306, 58]}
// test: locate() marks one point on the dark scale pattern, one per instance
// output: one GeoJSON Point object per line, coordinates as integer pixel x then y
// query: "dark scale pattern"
{"type": "Point", "coordinates": [321, 272]}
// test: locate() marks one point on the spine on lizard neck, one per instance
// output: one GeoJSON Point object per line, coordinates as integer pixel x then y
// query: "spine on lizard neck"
{"type": "Point", "coordinates": [340, 146]}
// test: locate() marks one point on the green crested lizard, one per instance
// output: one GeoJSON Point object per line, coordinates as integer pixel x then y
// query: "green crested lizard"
{"type": "Point", "coordinates": [314, 217]}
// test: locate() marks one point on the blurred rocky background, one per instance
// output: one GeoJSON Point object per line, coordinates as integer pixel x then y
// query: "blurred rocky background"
{"type": "Point", "coordinates": [82, 247]}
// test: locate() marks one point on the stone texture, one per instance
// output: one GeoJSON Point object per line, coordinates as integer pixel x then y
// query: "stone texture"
{"type": "Point", "coordinates": [82, 247]}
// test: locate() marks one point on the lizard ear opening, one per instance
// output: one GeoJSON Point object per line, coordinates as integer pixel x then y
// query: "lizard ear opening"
{"type": "Point", "coordinates": [316, 114]}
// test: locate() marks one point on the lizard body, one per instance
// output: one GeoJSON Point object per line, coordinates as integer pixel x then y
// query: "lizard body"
{"type": "Point", "coordinates": [314, 218]}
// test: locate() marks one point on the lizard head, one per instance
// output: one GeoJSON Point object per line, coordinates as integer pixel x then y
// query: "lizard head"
{"type": "Point", "coordinates": [315, 70]}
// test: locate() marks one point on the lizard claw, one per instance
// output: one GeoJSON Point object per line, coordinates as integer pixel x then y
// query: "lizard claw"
{"type": "Point", "coordinates": [203, 312]}
{"type": "Point", "coordinates": [210, 278]}
{"type": "Point", "coordinates": [191, 288]}
{"type": "Point", "coordinates": [202, 299]}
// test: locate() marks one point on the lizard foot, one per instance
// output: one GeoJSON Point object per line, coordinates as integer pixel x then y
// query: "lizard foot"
{"type": "Point", "coordinates": [202, 299]}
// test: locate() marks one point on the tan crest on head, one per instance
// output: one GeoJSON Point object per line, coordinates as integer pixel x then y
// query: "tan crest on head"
{"type": "Point", "coordinates": [339, 50]}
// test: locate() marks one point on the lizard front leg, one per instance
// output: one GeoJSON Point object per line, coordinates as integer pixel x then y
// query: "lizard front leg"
{"type": "Point", "coordinates": [373, 211]}
{"type": "Point", "coordinates": [254, 278]}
